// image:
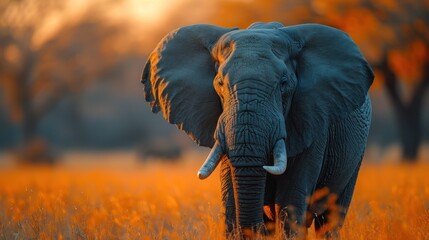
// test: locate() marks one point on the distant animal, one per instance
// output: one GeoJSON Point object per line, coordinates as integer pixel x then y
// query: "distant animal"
{"type": "Point", "coordinates": [162, 152]}
{"type": "Point", "coordinates": [285, 109]}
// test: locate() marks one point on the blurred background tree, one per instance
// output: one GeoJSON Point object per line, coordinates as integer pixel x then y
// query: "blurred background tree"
{"type": "Point", "coordinates": [70, 70]}
{"type": "Point", "coordinates": [49, 56]}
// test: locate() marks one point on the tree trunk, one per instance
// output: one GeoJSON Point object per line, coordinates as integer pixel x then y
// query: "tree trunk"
{"type": "Point", "coordinates": [32, 149]}
{"type": "Point", "coordinates": [409, 117]}
{"type": "Point", "coordinates": [29, 127]}
{"type": "Point", "coordinates": [29, 118]}
{"type": "Point", "coordinates": [407, 113]}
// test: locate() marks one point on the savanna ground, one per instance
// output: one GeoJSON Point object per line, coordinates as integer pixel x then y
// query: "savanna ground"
{"type": "Point", "coordinates": [111, 196]}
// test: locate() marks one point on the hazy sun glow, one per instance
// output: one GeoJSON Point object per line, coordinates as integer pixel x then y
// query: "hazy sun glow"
{"type": "Point", "coordinates": [148, 12]}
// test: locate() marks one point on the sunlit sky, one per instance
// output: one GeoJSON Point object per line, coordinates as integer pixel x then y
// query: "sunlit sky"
{"type": "Point", "coordinates": [147, 12]}
{"type": "Point", "coordinates": [143, 10]}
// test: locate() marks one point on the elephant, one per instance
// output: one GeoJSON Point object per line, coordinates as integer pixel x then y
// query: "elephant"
{"type": "Point", "coordinates": [285, 110]}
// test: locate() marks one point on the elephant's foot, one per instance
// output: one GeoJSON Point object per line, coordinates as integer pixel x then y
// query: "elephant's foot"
{"type": "Point", "coordinates": [256, 232]}
{"type": "Point", "coordinates": [290, 224]}
{"type": "Point", "coordinates": [328, 225]}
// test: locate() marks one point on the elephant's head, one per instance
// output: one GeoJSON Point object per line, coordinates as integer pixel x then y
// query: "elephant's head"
{"type": "Point", "coordinates": [253, 94]}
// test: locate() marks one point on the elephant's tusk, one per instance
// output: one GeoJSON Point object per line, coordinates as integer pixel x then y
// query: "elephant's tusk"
{"type": "Point", "coordinates": [211, 162]}
{"type": "Point", "coordinates": [280, 159]}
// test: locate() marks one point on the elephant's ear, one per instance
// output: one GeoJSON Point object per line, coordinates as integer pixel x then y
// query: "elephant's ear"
{"type": "Point", "coordinates": [178, 80]}
{"type": "Point", "coordinates": [333, 80]}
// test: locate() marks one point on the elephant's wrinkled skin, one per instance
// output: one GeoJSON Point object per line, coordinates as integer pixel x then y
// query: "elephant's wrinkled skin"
{"type": "Point", "coordinates": [293, 97]}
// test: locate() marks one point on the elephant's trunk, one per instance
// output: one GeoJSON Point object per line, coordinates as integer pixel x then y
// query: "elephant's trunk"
{"type": "Point", "coordinates": [250, 137]}
{"type": "Point", "coordinates": [249, 188]}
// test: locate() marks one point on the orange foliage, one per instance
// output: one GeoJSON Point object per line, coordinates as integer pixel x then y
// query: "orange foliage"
{"type": "Point", "coordinates": [409, 63]}
{"type": "Point", "coordinates": [168, 201]}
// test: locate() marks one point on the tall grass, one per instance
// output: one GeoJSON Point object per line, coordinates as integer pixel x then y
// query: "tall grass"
{"type": "Point", "coordinates": [168, 201]}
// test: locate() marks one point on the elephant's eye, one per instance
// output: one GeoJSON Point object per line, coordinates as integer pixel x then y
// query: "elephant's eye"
{"type": "Point", "coordinates": [283, 83]}
{"type": "Point", "coordinates": [220, 81]}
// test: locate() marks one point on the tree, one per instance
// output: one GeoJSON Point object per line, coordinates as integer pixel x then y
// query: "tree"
{"type": "Point", "coordinates": [47, 57]}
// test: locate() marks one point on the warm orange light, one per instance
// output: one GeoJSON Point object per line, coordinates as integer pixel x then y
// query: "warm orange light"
{"type": "Point", "coordinates": [409, 63]}
{"type": "Point", "coordinates": [12, 54]}
{"type": "Point", "coordinates": [143, 11]}
{"type": "Point", "coordinates": [121, 200]}
{"type": "Point", "coordinates": [130, 12]}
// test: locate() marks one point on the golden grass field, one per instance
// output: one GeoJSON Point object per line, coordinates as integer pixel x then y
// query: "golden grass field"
{"type": "Point", "coordinates": [116, 198]}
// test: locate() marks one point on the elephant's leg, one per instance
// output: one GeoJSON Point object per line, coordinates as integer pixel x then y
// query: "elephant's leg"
{"type": "Point", "coordinates": [345, 149]}
{"type": "Point", "coordinates": [336, 213]}
{"type": "Point", "coordinates": [296, 185]}
{"type": "Point", "coordinates": [345, 197]}
{"type": "Point", "coordinates": [341, 208]}
{"type": "Point", "coordinates": [329, 206]}
{"type": "Point", "coordinates": [228, 200]}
